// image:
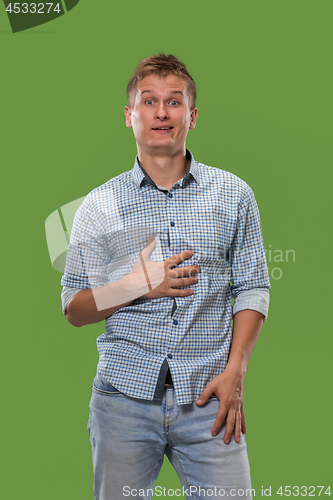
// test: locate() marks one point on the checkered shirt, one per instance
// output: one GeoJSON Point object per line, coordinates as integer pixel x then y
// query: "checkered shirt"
{"type": "Point", "coordinates": [211, 212]}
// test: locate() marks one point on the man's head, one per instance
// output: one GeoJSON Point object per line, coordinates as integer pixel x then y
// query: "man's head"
{"type": "Point", "coordinates": [161, 97]}
{"type": "Point", "coordinates": [162, 66]}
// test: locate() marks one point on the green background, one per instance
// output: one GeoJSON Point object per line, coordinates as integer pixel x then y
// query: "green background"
{"type": "Point", "coordinates": [264, 76]}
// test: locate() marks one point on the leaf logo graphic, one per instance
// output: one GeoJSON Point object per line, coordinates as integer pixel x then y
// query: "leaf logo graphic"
{"type": "Point", "coordinates": [58, 227]}
{"type": "Point", "coordinates": [26, 15]}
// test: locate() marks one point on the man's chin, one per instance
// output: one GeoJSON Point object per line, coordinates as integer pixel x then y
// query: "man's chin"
{"type": "Point", "coordinates": [162, 149]}
{"type": "Point", "coordinates": [154, 146]}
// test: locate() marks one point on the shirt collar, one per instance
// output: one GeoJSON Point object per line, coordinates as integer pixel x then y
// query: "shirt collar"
{"type": "Point", "coordinates": [139, 175]}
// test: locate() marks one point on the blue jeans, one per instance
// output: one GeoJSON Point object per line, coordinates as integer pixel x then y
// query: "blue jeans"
{"type": "Point", "coordinates": [129, 438]}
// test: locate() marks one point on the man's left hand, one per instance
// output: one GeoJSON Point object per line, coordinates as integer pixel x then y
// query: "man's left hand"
{"type": "Point", "coordinates": [228, 388]}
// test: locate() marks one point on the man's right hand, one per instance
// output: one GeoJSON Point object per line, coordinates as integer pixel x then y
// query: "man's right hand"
{"type": "Point", "coordinates": [163, 279]}
{"type": "Point", "coordinates": [147, 278]}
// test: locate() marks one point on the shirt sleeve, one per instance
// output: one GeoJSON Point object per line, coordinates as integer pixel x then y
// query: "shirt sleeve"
{"type": "Point", "coordinates": [66, 296]}
{"type": "Point", "coordinates": [256, 299]}
{"type": "Point", "coordinates": [87, 254]}
{"type": "Point", "coordinates": [249, 274]}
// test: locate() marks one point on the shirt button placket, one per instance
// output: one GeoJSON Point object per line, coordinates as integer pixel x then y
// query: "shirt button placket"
{"type": "Point", "coordinates": [170, 213]}
{"type": "Point", "coordinates": [171, 236]}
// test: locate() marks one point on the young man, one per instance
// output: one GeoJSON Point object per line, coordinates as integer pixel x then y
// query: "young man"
{"type": "Point", "coordinates": [159, 252]}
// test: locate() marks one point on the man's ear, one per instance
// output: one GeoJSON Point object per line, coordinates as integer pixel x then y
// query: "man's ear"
{"type": "Point", "coordinates": [128, 113]}
{"type": "Point", "coordinates": [194, 115]}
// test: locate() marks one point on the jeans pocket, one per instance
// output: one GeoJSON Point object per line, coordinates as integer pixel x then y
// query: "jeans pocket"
{"type": "Point", "coordinates": [103, 387]}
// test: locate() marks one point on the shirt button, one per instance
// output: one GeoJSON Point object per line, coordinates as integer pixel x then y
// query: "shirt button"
{"type": "Point", "coordinates": [170, 356]}
{"type": "Point", "coordinates": [172, 223]}
{"type": "Point", "coordinates": [170, 195]}
{"type": "Point", "coordinates": [175, 322]}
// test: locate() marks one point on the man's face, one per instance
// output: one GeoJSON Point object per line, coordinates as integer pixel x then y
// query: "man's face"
{"type": "Point", "coordinates": [160, 116]}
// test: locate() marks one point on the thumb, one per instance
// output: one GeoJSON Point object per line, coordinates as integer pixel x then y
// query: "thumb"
{"type": "Point", "coordinates": [148, 249]}
{"type": "Point", "coordinates": [204, 396]}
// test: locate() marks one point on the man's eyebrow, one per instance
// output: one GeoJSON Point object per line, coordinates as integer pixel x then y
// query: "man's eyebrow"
{"type": "Point", "coordinates": [172, 92]}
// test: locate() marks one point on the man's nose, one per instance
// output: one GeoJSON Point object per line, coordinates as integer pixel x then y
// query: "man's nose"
{"type": "Point", "coordinates": [161, 111]}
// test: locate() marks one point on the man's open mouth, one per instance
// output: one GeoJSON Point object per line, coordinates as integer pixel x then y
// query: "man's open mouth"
{"type": "Point", "coordinates": [163, 128]}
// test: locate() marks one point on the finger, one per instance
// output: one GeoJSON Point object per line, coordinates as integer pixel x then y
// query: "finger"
{"type": "Point", "coordinates": [238, 425]}
{"type": "Point", "coordinates": [220, 417]}
{"type": "Point", "coordinates": [230, 425]}
{"type": "Point", "coordinates": [176, 282]}
{"type": "Point", "coordinates": [187, 271]}
{"type": "Point", "coordinates": [243, 421]}
{"type": "Point", "coordinates": [178, 258]}
{"type": "Point", "coordinates": [205, 395]}
{"type": "Point", "coordinates": [182, 272]}
{"type": "Point", "coordinates": [176, 292]}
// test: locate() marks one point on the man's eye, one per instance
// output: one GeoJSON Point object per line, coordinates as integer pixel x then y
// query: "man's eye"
{"type": "Point", "coordinates": [149, 101]}
{"type": "Point", "coordinates": [173, 103]}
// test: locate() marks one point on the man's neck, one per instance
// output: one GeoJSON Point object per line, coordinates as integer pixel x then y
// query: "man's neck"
{"type": "Point", "coordinates": [165, 171]}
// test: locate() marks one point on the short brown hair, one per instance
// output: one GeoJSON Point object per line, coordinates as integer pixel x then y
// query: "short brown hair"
{"type": "Point", "coordinates": [161, 65]}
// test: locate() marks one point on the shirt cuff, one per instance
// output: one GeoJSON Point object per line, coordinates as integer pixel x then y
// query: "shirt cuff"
{"type": "Point", "coordinates": [256, 299]}
{"type": "Point", "coordinates": [67, 294]}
